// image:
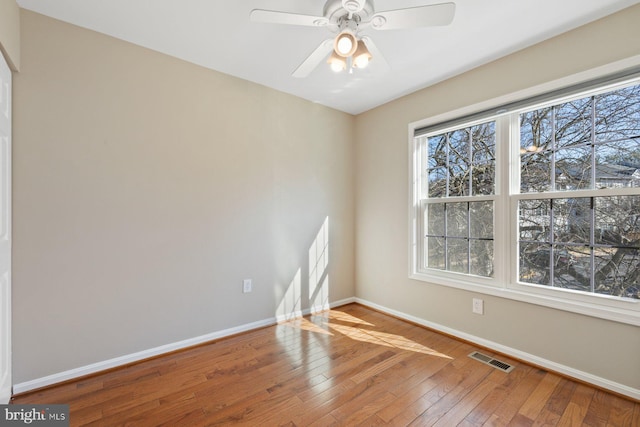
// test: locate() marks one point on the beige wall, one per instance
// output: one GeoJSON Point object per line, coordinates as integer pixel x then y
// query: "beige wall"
{"type": "Point", "coordinates": [10, 32]}
{"type": "Point", "coordinates": [603, 348]}
{"type": "Point", "coordinates": [147, 188]}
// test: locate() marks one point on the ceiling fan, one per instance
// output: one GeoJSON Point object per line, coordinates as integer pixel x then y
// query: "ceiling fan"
{"type": "Point", "coordinates": [346, 18]}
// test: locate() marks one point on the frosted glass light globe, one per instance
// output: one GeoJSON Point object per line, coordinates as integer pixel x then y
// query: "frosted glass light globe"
{"type": "Point", "coordinates": [344, 45]}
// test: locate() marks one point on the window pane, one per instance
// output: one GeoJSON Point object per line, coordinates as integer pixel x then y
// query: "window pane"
{"type": "Point", "coordinates": [616, 164]}
{"type": "Point", "coordinates": [612, 117]}
{"type": "Point", "coordinates": [462, 162]}
{"type": "Point", "coordinates": [580, 265]}
{"type": "Point", "coordinates": [535, 260]}
{"type": "Point", "coordinates": [437, 166]}
{"type": "Point", "coordinates": [573, 168]}
{"type": "Point", "coordinates": [565, 273]}
{"type": "Point", "coordinates": [459, 163]}
{"type": "Point", "coordinates": [572, 220]}
{"type": "Point", "coordinates": [617, 272]}
{"type": "Point", "coordinates": [484, 148]}
{"type": "Point", "coordinates": [482, 258]}
{"type": "Point", "coordinates": [618, 114]}
{"type": "Point", "coordinates": [435, 252]}
{"type": "Point", "coordinates": [457, 219]}
{"type": "Point", "coordinates": [617, 221]}
{"type": "Point", "coordinates": [536, 129]}
{"type": "Point", "coordinates": [481, 219]}
{"type": "Point", "coordinates": [573, 123]}
{"type": "Point", "coordinates": [448, 248]}
{"type": "Point", "coordinates": [437, 182]}
{"type": "Point", "coordinates": [615, 244]}
{"type": "Point", "coordinates": [435, 220]}
{"type": "Point", "coordinates": [483, 181]}
{"type": "Point", "coordinates": [457, 255]}
{"type": "Point", "coordinates": [535, 172]}
{"type": "Point", "coordinates": [534, 220]}
{"type": "Point", "coordinates": [437, 155]}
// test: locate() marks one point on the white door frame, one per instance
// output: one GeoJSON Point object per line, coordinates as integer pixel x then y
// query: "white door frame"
{"type": "Point", "coordinates": [5, 232]}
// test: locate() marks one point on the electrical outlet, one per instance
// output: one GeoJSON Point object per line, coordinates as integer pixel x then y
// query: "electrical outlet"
{"type": "Point", "coordinates": [246, 286]}
{"type": "Point", "coordinates": [478, 306]}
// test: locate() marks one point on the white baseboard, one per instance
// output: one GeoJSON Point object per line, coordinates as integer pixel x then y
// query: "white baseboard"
{"type": "Point", "coordinates": [156, 351]}
{"type": "Point", "coordinates": [521, 355]}
{"type": "Point", "coordinates": [134, 357]}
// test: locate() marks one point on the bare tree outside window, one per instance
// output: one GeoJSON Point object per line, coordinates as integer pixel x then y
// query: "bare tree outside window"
{"type": "Point", "coordinates": [590, 244]}
{"type": "Point", "coordinates": [539, 198]}
{"type": "Point", "coordinates": [459, 234]}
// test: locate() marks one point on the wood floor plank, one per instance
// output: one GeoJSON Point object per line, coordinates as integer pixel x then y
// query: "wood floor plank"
{"type": "Point", "coordinates": [635, 419]}
{"type": "Point", "coordinates": [561, 396]}
{"type": "Point", "coordinates": [372, 421]}
{"type": "Point", "coordinates": [511, 388]}
{"type": "Point", "coordinates": [362, 407]}
{"type": "Point", "coordinates": [518, 395]}
{"type": "Point", "coordinates": [546, 417]}
{"type": "Point", "coordinates": [598, 410]}
{"type": "Point", "coordinates": [348, 366]}
{"type": "Point", "coordinates": [519, 420]}
{"type": "Point", "coordinates": [325, 421]}
{"type": "Point", "coordinates": [379, 367]}
{"type": "Point", "coordinates": [327, 400]}
{"type": "Point", "coordinates": [456, 414]}
{"type": "Point", "coordinates": [540, 396]}
{"type": "Point", "coordinates": [465, 381]}
{"type": "Point", "coordinates": [621, 412]}
{"type": "Point", "coordinates": [577, 407]}
{"type": "Point", "coordinates": [446, 379]}
{"type": "Point", "coordinates": [402, 403]}
{"type": "Point", "coordinates": [420, 383]}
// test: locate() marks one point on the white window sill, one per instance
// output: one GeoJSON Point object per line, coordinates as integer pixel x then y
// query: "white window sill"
{"type": "Point", "coordinates": [624, 311]}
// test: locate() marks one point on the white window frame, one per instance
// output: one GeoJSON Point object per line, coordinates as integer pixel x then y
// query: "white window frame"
{"type": "Point", "coordinates": [505, 281]}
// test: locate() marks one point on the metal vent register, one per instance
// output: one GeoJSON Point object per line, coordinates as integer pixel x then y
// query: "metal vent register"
{"type": "Point", "coordinates": [488, 360]}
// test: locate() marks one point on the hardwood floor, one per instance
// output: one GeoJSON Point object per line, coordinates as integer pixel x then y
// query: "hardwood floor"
{"type": "Point", "coordinates": [350, 366]}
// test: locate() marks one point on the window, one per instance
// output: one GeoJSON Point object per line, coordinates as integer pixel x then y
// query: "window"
{"type": "Point", "coordinates": [541, 199]}
{"type": "Point", "coordinates": [459, 203]}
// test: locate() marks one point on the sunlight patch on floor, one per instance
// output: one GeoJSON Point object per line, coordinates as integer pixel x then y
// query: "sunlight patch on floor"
{"type": "Point", "coordinates": [306, 325]}
{"type": "Point", "coordinates": [385, 339]}
{"type": "Point", "coordinates": [346, 317]}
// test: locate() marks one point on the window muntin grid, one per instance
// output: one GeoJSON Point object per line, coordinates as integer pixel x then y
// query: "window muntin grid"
{"type": "Point", "coordinates": [564, 158]}
{"type": "Point", "coordinates": [588, 244]}
{"type": "Point", "coordinates": [460, 166]}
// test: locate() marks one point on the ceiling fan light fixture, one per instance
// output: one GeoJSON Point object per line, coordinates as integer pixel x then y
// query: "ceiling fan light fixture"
{"type": "Point", "coordinates": [337, 62]}
{"type": "Point", "coordinates": [345, 19]}
{"type": "Point", "coordinates": [361, 56]}
{"type": "Point", "coordinates": [345, 44]}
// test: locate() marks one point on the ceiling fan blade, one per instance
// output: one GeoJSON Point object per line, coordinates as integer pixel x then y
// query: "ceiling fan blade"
{"type": "Point", "coordinates": [376, 56]}
{"type": "Point", "coordinates": [276, 17]}
{"type": "Point", "coordinates": [414, 17]}
{"type": "Point", "coordinates": [312, 61]}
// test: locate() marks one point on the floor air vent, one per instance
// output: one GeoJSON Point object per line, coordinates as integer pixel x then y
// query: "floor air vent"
{"type": "Point", "coordinates": [505, 367]}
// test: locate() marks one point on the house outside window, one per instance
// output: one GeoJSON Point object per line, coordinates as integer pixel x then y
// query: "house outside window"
{"type": "Point", "coordinates": [541, 199]}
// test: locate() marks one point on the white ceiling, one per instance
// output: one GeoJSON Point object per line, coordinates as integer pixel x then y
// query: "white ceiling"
{"type": "Point", "coordinates": [218, 34]}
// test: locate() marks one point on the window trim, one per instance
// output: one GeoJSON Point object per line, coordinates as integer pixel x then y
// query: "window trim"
{"type": "Point", "coordinates": [504, 284]}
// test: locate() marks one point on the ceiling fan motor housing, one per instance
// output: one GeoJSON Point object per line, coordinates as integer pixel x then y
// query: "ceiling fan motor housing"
{"type": "Point", "coordinates": [353, 6]}
{"type": "Point", "coordinates": [336, 10]}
